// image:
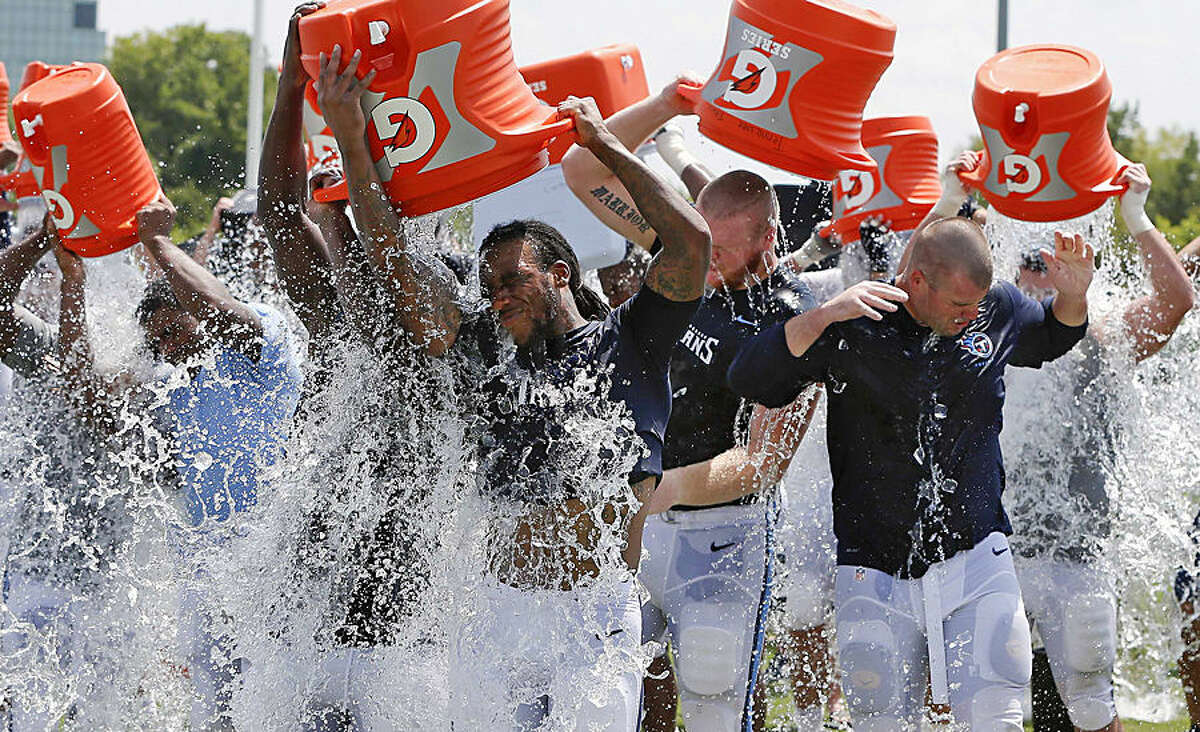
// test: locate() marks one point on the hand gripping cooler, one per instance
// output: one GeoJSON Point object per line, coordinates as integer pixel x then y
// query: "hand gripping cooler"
{"type": "Point", "coordinates": [793, 81]}
{"type": "Point", "coordinates": [613, 75]}
{"type": "Point", "coordinates": [87, 156]}
{"type": "Point", "coordinates": [449, 117]}
{"type": "Point", "coordinates": [904, 187]}
{"type": "Point", "coordinates": [1042, 113]}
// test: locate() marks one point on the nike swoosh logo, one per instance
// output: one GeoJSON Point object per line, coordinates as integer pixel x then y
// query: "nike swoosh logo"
{"type": "Point", "coordinates": [717, 548]}
{"type": "Point", "coordinates": [998, 553]}
{"type": "Point", "coordinates": [740, 319]}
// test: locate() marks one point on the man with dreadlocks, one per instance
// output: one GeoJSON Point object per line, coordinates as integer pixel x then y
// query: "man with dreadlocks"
{"type": "Point", "coordinates": [568, 403]}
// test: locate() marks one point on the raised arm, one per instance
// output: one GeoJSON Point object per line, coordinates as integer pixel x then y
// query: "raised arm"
{"type": "Point", "coordinates": [603, 192]}
{"type": "Point", "coordinates": [1071, 266]}
{"type": "Point", "coordinates": [301, 259]}
{"type": "Point", "coordinates": [16, 262]}
{"type": "Point", "coordinates": [362, 294]}
{"type": "Point", "coordinates": [423, 290]}
{"type": "Point", "coordinates": [744, 469]}
{"type": "Point", "coordinates": [199, 292]}
{"type": "Point", "coordinates": [678, 271]}
{"type": "Point", "coordinates": [84, 391]}
{"type": "Point", "coordinates": [1150, 321]}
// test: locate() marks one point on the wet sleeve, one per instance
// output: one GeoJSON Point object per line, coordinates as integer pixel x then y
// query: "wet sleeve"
{"type": "Point", "coordinates": [30, 347]}
{"type": "Point", "coordinates": [1042, 337]}
{"type": "Point", "coordinates": [656, 323]}
{"type": "Point", "coordinates": [765, 371]}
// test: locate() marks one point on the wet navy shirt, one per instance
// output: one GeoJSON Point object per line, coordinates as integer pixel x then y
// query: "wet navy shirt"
{"type": "Point", "coordinates": [705, 412]}
{"type": "Point", "coordinates": [525, 406]}
{"type": "Point", "coordinates": [914, 422]}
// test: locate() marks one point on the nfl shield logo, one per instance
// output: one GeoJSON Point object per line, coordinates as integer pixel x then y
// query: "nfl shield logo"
{"type": "Point", "coordinates": [860, 574]}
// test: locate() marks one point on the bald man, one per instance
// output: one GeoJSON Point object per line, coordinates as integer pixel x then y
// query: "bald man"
{"type": "Point", "coordinates": [926, 593]}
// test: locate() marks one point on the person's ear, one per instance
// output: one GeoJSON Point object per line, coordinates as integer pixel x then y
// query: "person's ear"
{"type": "Point", "coordinates": [561, 273]}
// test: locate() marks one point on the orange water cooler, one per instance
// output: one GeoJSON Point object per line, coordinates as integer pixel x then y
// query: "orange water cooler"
{"type": "Point", "coordinates": [1042, 113]}
{"type": "Point", "coordinates": [904, 186]}
{"type": "Point", "coordinates": [449, 117]}
{"type": "Point", "coordinates": [613, 75]}
{"type": "Point", "coordinates": [793, 81]}
{"type": "Point", "coordinates": [88, 157]}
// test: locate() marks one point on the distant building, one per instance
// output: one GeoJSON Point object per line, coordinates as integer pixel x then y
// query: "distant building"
{"type": "Point", "coordinates": [54, 31]}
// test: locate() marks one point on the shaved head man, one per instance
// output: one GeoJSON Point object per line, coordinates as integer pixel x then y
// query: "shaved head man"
{"type": "Point", "coordinates": [926, 593]}
{"type": "Point", "coordinates": [947, 273]}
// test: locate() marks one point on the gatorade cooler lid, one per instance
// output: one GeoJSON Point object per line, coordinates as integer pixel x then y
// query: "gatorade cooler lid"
{"type": "Point", "coordinates": [70, 81]}
{"type": "Point", "coordinates": [1052, 69]}
{"type": "Point", "coordinates": [1048, 72]}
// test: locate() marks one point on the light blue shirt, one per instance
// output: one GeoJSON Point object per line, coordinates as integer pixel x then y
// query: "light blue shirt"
{"type": "Point", "coordinates": [231, 421]}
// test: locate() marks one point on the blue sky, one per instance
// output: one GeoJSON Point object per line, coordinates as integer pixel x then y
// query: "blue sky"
{"type": "Point", "coordinates": [1149, 47]}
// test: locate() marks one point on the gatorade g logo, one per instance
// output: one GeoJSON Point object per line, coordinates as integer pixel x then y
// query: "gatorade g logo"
{"type": "Point", "coordinates": [408, 125]}
{"type": "Point", "coordinates": [855, 188]}
{"type": "Point", "coordinates": [424, 124]}
{"type": "Point", "coordinates": [757, 77]}
{"type": "Point", "coordinates": [1021, 174]}
{"type": "Point", "coordinates": [753, 81]}
{"type": "Point", "coordinates": [1031, 175]}
{"type": "Point", "coordinates": [323, 148]}
{"type": "Point", "coordinates": [60, 209]}
{"type": "Point", "coordinates": [864, 191]}
{"type": "Point", "coordinates": [71, 224]}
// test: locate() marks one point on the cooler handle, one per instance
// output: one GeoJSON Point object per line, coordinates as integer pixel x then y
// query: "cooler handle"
{"type": "Point", "coordinates": [1111, 186]}
{"type": "Point", "coordinates": [975, 177]}
{"type": "Point", "coordinates": [549, 129]}
{"type": "Point", "coordinates": [690, 91]}
{"type": "Point", "coordinates": [337, 192]}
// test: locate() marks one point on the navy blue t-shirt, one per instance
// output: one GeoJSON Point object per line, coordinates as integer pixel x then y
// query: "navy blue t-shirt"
{"type": "Point", "coordinates": [524, 405]}
{"type": "Point", "coordinates": [706, 416]}
{"type": "Point", "coordinates": [914, 422]}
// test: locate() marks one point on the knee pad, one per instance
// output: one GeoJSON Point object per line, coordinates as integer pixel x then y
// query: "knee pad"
{"type": "Point", "coordinates": [1091, 713]}
{"type": "Point", "coordinates": [808, 601]}
{"type": "Point", "coordinates": [709, 660]}
{"type": "Point", "coordinates": [1090, 633]}
{"type": "Point", "coordinates": [709, 716]}
{"type": "Point", "coordinates": [870, 676]}
{"type": "Point", "coordinates": [1003, 648]}
{"type": "Point", "coordinates": [997, 709]}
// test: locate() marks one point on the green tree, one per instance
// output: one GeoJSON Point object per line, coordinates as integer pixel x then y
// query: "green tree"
{"type": "Point", "coordinates": [186, 87]}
